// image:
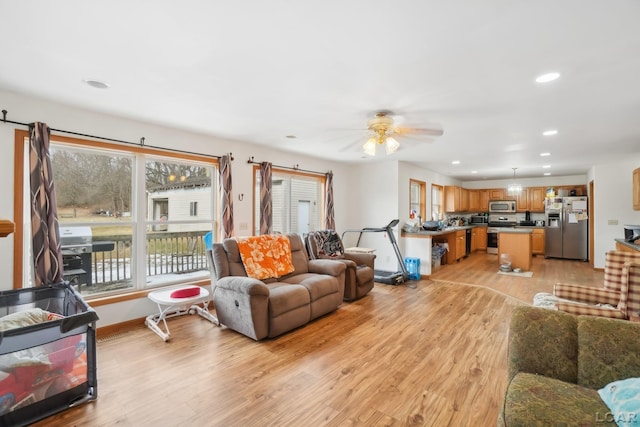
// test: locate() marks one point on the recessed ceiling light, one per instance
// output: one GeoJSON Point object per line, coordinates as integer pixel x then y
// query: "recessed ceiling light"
{"type": "Point", "coordinates": [546, 166]}
{"type": "Point", "coordinates": [550, 132]}
{"type": "Point", "coordinates": [96, 84]}
{"type": "Point", "coordinates": [474, 171]}
{"type": "Point", "coordinates": [546, 78]}
{"type": "Point", "coordinates": [455, 162]}
{"type": "Point", "coordinates": [545, 154]}
{"type": "Point", "coordinates": [547, 173]}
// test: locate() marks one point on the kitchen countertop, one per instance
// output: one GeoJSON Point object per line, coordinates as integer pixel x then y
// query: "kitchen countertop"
{"type": "Point", "coordinates": [423, 233]}
{"type": "Point", "coordinates": [442, 232]}
{"type": "Point", "coordinates": [629, 244]}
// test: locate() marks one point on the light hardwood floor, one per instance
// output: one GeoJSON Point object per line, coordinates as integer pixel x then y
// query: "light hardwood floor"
{"type": "Point", "coordinates": [427, 353]}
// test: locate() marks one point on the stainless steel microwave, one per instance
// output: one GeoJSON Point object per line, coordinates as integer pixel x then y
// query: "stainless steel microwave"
{"type": "Point", "coordinates": [502, 206]}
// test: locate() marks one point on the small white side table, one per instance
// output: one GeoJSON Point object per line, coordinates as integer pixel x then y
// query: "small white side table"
{"type": "Point", "coordinates": [171, 307]}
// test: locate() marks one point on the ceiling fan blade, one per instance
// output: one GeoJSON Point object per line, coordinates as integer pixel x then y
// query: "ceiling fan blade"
{"type": "Point", "coordinates": [411, 131]}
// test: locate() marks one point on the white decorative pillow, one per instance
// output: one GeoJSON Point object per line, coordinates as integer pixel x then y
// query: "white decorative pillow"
{"type": "Point", "coordinates": [623, 399]}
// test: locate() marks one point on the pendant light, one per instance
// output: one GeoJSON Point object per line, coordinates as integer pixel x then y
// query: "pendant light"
{"type": "Point", "coordinates": [514, 189]}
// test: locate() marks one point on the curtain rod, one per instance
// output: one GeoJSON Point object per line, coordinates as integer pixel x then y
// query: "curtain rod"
{"type": "Point", "coordinates": [141, 143]}
{"type": "Point", "coordinates": [293, 168]}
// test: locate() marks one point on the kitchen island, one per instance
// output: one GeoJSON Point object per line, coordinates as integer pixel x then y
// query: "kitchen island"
{"type": "Point", "coordinates": [417, 244]}
{"type": "Point", "coordinates": [515, 242]}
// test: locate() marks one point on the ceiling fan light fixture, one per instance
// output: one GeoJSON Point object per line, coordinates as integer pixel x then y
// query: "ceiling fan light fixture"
{"type": "Point", "coordinates": [391, 145]}
{"type": "Point", "coordinates": [369, 147]}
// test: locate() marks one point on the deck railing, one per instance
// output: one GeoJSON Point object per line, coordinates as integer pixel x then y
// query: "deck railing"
{"type": "Point", "coordinates": [167, 253]}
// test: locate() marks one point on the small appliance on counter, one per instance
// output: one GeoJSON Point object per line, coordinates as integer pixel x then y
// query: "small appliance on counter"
{"type": "Point", "coordinates": [631, 233]}
{"type": "Point", "coordinates": [539, 222]}
{"type": "Point", "coordinates": [479, 219]}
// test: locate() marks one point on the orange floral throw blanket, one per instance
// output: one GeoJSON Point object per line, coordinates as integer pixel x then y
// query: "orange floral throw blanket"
{"type": "Point", "coordinates": [266, 256]}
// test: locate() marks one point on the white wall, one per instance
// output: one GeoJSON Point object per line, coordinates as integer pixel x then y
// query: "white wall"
{"type": "Point", "coordinates": [612, 202]}
{"type": "Point", "coordinates": [28, 109]}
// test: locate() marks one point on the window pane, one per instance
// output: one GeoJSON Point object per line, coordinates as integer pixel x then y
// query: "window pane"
{"type": "Point", "coordinates": [91, 185]}
{"type": "Point", "coordinates": [93, 193]}
{"type": "Point", "coordinates": [179, 214]}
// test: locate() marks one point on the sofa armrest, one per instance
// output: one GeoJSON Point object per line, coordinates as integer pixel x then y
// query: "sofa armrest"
{"type": "Point", "coordinates": [586, 294]}
{"type": "Point", "coordinates": [543, 342]}
{"type": "Point", "coordinates": [244, 285]}
{"type": "Point", "coordinates": [327, 266]}
{"type": "Point", "coordinates": [361, 259]}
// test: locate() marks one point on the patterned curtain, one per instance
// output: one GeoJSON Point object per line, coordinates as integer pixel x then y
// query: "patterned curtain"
{"type": "Point", "coordinates": [226, 202]}
{"type": "Point", "coordinates": [45, 231]}
{"type": "Point", "coordinates": [266, 215]}
{"type": "Point", "coordinates": [330, 220]}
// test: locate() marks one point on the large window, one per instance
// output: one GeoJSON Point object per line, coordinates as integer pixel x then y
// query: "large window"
{"type": "Point", "coordinates": [297, 201]}
{"type": "Point", "coordinates": [129, 218]}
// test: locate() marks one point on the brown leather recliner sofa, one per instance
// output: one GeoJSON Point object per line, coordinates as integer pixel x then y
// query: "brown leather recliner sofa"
{"type": "Point", "coordinates": [270, 307]}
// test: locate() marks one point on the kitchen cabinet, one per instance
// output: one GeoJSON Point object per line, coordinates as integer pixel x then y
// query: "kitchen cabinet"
{"type": "Point", "coordinates": [461, 243]}
{"type": "Point", "coordinates": [464, 200]}
{"type": "Point", "coordinates": [536, 199]}
{"type": "Point", "coordinates": [518, 246]}
{"type": "Point", "coordinates": [636, 189]}
{"type": "Point", "coordinates": [581, 190]}
{"type": "Point", "coordinates": [484, 200]}
{"type": "Point", "coordinates": [451, 198]}
{"type": "Point", "coordinates": [496, 194]}
{"type": "Point", "coordinates": [479, 239]}
{"type": "Point", "coordinates": [474, 201]}
{"type": "Point", "coordinates": [456, 199]}
{"type": "Point", "coordinates": [625, 248]}
{"type": "Point", "coordinates": [522, 201]}
{"type": "Point", "coordinates": [537, 241]}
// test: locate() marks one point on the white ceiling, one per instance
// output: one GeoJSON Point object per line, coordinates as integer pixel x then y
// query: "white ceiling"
{"type": "Point", "coordinates": [258, 71]}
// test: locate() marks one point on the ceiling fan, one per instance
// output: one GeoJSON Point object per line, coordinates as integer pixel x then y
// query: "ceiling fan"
{"type": "Point", "coordinates": [385, 132]}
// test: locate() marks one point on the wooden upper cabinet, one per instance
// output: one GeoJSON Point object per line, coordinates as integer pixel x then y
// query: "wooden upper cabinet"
{"type": "Point", "coordinates": [636, 189]}
{"type": "Point", "coordinates": [536, 199]}
{"type": "Point", "coordinates": [484, 200]}
{"type": "Point", "coordinates": [522, 200]}
{"type": "Point", "coordinates": [451, 198]}
{"type": "Point", "coordinates": [496, 194]}
{"type": "Point", "coordinates": [474, 201]}
{"type": "Point", "coordinates": [581, 190]}
{"type": "Point", "coordinates": [464, 200]}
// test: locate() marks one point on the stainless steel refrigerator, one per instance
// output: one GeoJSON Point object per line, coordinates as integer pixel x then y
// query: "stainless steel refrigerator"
{"type": "Point", "coordinates": [566, 228]}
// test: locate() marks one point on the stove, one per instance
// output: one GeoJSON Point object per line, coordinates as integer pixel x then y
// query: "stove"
{"type": "Point", "coordinates": [497, 221]}
{"type": "Point", "coordinates": [502, 220]}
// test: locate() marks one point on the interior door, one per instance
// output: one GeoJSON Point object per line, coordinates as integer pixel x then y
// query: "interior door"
{"type": "Point", "coordinates": [304, 210]}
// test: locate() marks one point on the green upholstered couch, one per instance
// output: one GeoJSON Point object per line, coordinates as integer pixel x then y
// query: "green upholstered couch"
{"type": "Point", "coordinates": [558, 362]}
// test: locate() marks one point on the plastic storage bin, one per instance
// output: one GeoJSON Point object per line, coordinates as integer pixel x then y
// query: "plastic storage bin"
{"type": "Point", "coordinates": [413, 268]}
{"type": "Point", "coordinates": [47, 353]}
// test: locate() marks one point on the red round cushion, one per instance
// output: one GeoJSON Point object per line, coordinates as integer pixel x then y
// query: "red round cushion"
{"type": "Point", "coordinates": [185, 292]}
